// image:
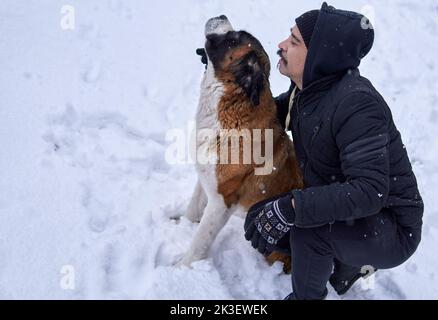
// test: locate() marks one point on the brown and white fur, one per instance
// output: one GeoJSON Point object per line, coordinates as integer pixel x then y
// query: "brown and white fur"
{"type": "Point", "coordinates": [230, 103]}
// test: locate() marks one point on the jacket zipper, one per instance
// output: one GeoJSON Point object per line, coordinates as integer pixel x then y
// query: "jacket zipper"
{"type": "Point", "coordinates": [307, 160]}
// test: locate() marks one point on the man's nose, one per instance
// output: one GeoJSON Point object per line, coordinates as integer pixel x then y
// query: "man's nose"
{"type": "Point", "coordinates": [282, 46]}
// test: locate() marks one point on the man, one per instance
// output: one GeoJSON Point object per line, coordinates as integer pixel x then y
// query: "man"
{"type": "Point", "coordinates": [360, 208]}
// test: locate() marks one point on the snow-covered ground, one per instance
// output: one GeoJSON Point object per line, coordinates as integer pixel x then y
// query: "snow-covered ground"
{"type": "Point", "coordinates": [84, 188]}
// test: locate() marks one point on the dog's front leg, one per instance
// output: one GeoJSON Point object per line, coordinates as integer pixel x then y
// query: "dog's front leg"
{"type": "Point", "coordinates": [197, 204]}
{"type": "Point", "coordinates": [215, 217]}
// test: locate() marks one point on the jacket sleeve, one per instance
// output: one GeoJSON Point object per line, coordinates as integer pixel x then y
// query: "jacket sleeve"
{"type": "Point", "coordinates": [360, 127]}
{"type": "Point", "coordinates": [282, 102]}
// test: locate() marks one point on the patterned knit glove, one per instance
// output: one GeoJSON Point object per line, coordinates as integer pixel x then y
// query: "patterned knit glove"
{"type": "Point", "coordinates": [268, 222]}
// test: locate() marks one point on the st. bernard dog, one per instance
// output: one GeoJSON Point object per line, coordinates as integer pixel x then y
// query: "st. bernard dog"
{"type": "Point", "coordinates": [235, 94]}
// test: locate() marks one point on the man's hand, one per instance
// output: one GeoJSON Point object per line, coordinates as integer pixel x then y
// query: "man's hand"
{"type": "Point", "coordinates": [268, 221]}
{"type": "Point", "coordinates": [201, 52]}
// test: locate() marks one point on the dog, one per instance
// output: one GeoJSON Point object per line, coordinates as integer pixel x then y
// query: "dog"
{"type": "Point", "coordinates": [235, 95]}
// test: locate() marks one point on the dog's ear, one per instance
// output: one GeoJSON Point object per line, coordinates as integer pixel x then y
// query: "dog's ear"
{"type": "Point", "coordinates": [250, 77]}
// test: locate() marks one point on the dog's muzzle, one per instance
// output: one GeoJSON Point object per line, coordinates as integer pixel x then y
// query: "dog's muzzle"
{"type": "Point", "coordinates": [218, 25]}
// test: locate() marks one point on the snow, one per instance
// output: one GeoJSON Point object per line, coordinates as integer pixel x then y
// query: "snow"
{"type": "Point", "coordinates": [83, 120]}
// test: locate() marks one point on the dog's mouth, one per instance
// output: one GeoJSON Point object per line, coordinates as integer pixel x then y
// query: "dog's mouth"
{"type": "Point", "coordinates": [214, 28]}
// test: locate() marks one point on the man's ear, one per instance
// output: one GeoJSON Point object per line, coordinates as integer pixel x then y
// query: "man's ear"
{"type": "Point", "coordinates": [250, 77]}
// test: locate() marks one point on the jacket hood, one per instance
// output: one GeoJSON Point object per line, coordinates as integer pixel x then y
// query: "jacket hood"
{"type": "Point", "coordinates": [339, 41]}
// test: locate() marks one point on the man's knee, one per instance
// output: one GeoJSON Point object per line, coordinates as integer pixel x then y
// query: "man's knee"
{"type": "Point", "coordinates": [309, 240]}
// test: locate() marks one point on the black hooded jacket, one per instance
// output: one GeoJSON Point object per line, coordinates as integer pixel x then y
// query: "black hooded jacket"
{"type": "Point", "coordinates": [351, 154]}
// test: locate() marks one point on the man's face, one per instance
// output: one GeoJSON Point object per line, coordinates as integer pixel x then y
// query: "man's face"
{"type": "Point", "coordinates": [293, 54]}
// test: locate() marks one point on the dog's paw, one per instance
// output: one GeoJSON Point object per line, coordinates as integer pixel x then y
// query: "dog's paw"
{"type": "Point", "coordinates": [175, 219]}
{"type": "Point", "coordinates": [193, 216]}
{"type": "Point", "coordinates": [193, 219]}
{"type": "Point", "coordinates": [183, 262]}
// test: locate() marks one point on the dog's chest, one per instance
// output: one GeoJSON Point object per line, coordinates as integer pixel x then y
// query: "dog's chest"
{"type": "Point", "coordinates": [212, 91]}
{"type": "Point", "coordinates": [207, 123]}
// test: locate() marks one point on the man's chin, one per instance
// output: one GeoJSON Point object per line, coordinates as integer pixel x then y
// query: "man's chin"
{"type": "Point", "coordinates": [282, 66]}
{"type": "Point", "coordinates": [282, 70]}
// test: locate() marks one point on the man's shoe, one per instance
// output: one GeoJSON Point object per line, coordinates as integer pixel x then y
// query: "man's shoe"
{"type": "Point", "coordinates": [345, 276]}
{"type": "Point", "coordinates": [292, 296]}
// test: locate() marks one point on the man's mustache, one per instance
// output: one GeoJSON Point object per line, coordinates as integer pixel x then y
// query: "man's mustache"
{"type": "Point", "coordinates": [280, 53]}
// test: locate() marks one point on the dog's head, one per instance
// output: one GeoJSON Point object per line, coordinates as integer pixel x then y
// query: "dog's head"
{"type": "Point", "coordinates": [238, 56]}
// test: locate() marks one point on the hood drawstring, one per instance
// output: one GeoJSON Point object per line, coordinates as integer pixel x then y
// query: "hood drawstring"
{"type": "Point", "coordinates": [291, 103]}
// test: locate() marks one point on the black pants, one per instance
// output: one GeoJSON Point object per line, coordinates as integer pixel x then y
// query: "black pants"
{"type": "Point", "coordinates": [377, 241]}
